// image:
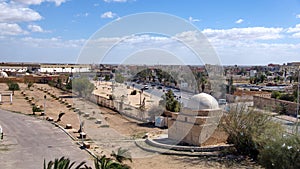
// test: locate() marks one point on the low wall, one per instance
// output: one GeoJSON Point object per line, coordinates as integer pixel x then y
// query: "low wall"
{"type": "Point", "coordinates": [274, 105]}
{"type": "Point", "coordinates": [124, 109]}
{"type": "Point", "coordinates": [233, 98]}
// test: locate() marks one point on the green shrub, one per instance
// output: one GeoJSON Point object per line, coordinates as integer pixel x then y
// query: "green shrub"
{"type": "Point", "coordinates": [281, 153]}
{"type": "Point", "coordinates": [249, 130]}
{"type": "Point", "coordinates": [13, 86]}
{"type": "Point", "coordinates": [134, 92]}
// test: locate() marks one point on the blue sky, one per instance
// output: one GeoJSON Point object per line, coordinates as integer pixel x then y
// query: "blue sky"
{"type": "Point", "coordinates": [243, 32]}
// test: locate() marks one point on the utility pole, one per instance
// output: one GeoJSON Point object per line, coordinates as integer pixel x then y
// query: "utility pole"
{"type": "Point", "coordinates": [298, 89]}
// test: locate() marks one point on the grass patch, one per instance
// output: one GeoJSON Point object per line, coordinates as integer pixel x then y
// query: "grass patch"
{"type": "Point", "coordinates": [139, 135]}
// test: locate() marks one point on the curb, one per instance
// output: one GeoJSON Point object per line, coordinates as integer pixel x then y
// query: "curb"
{"type": "Point", "coordinates": [74, 139]}
{"type": "Point", "coordinates": [177, 153]}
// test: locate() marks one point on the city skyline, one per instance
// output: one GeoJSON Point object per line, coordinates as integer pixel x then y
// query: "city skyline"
{"type": "Point", "coordinates": [242, 33]}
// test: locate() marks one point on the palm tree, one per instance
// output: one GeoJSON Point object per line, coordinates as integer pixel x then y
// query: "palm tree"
{"type": "Point", "coordinates": [121, 155]}
{"type": "Point", "coordinates": [64, 163]}
{"type": "Point", "coordinates": [108, 163]}
{"type": "Point", "coordinates": [103, 163]}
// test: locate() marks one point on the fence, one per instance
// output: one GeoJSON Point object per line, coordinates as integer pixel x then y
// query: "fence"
{"type": "Point", "coordinates": [122, 108]}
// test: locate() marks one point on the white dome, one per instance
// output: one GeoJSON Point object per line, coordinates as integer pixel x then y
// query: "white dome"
{"type": "Point", "coordinates": [203, 101]}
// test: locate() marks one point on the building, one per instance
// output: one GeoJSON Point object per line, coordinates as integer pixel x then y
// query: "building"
{"type": "Point", "coordinates": [196, 123]}
{"type": "Point", "coordinates": [64, 68]}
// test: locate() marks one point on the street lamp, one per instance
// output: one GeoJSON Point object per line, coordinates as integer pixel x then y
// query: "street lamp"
{"type": "Point", "coordinates": [45, 104]}
{"type": "Point", "coordinates": [141, 96]}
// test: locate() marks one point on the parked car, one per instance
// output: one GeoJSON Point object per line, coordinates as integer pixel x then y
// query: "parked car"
{"type": "Point", "coordinates": [145, 87]}
{"type": "Point", "coordinates": [222, 102]}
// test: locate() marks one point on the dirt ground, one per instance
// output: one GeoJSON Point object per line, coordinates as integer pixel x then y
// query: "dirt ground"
{"type": "Point", "coordinates": [116, 121]}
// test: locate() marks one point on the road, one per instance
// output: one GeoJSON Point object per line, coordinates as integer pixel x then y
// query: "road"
{"type": "Point", "coordinates": [28, 141]}
{"type": "Point", "coordinates": [182, 96]}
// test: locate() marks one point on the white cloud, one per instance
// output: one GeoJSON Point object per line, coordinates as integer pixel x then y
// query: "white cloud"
{"type": "Point", "coordinates": [239, 21]}
{"type": "Point", "coordinates": [250, 33]}
{"type": "Point", "coordinates": [54, 42]}
{"type": "Point", "coordinates": [82, 14]}
{"type": "Point", "coordinates": [298, 16]}
{"type": "Point", "coordinates": [296, 35]}
{"type": "Point", "coordinates": [29, 2]}
{"type": "Point", "coordinates": [35, 28]}
{"type": "Point", "coordinates": [108, 14]}
{"type": "Point", "coordinates": [191, 19]}
{"type": "Point", "coordinates": [37, 2]}
{"type": "Point", "coordinates": [294, 29]}
{"type": "Point", "coordinates": [11, 29]}
{"type": "Point", "coordinates": [14, 13]}
{"type": "Point", "coordinates": [108, 1]}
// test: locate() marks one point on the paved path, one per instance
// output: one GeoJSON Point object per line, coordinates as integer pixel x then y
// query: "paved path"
{"type": "Point", "coordinates": [28, 141]}
{"type": "Point", "coordinates": [106, 138]}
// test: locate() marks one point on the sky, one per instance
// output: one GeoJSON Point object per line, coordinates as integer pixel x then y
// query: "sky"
{"type": "Point", "coordinates": [241, 32]}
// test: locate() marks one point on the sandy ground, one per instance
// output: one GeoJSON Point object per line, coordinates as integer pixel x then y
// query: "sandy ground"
{"type": "Point", "coordinates": [116, 122]}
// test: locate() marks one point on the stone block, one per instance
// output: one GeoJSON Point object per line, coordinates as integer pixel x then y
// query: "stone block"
{"type": "Point", "coordinates": [68, 126]}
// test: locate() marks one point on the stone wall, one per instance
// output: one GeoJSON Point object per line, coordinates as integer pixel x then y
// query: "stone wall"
{"type": "Point", "coordinates": [274, 105]}
{"type": "Point", "coordinates": [193, 127]}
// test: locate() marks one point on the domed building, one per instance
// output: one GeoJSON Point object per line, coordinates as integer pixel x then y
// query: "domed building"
{"type": "Point", "coordinates": [197, 122]}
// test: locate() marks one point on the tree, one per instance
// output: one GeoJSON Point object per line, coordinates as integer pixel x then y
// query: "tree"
{"type": "Point", "coordinates": [29, 85]}
{"type": "Point", "coordinates": [83, 86]}
{"type": "Point", "coordinates": [107, 78]}
{"type": "Point", "coordinates": [13, 86]}
{"type": "Point", "coordinates": [119, 78]}
{"type": "Point", "coordinates": [262, 78]}
{"type": "Point", "coordinates": [64, 163]}
{"type": "Point", "coordinates": [107, 163]}
{"type": "Point", "coordinates": [230, 88]}
{"type": "Point", "coordinates": [121, 155]}
{"type": "Point", "coordinates": [287, 97]}
{"type": "Point", "coordinates": [69, 85]}
{"type": "Point", "coordinates": [275, 94]}
{"type": "Point", "coordinates": [169, 102]}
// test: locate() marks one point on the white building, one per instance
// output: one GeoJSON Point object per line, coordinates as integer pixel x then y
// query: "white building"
{"type": "Point", "coordinates": [252, 73]}
{"type": "Point", "coordinates": [8, 68]}
{"type": "Point", "coordinates": [61, 68]}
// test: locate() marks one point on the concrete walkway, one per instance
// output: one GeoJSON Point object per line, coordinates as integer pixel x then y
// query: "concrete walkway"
{"type": "Point", "coordinates": [28, 141]}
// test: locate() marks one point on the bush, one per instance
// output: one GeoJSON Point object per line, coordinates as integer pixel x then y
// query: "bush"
{"type": "Point", "coordinates": [282, 153]}
{"type": "Point", "coordinates": [249, 130]}
{"type": "Point", "coordinates": [287, 97]}
{"type": "Point", "coordinates": [112, 97]}
{"type": "Point", "coordinates": [275, 94]}
{"type": "Point", "coordinates": [134, 92]}
{"type": "Point", "coordinates": [36, 109]}
{"type": "Point", "coordinates": [13, 86]}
